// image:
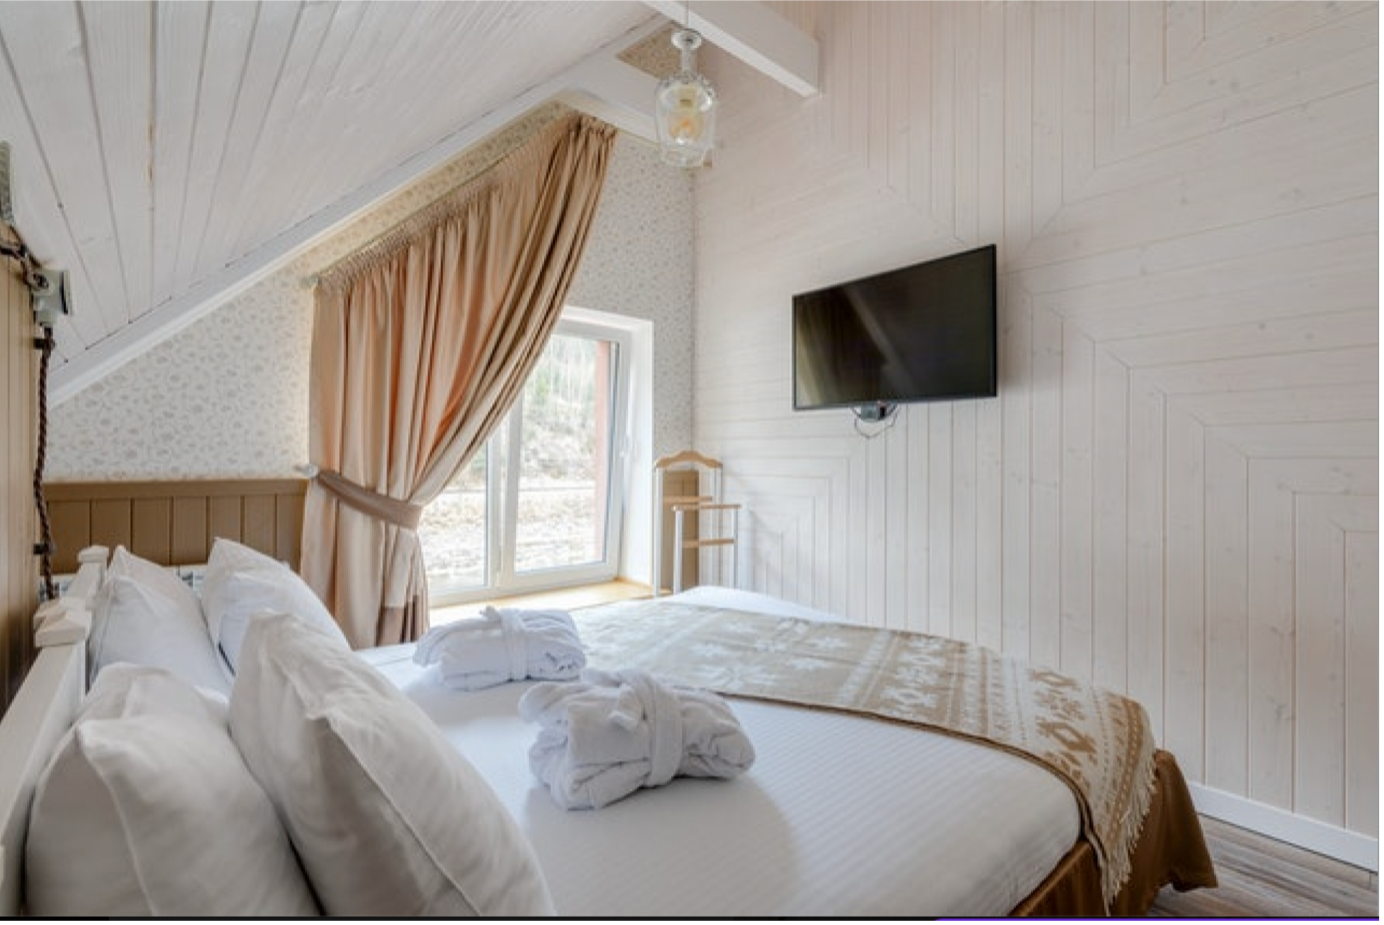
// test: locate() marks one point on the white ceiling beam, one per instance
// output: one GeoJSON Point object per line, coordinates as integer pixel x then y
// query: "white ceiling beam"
{"type": "Point", "coordinates": [756, 35]}
{"type": "Point", "coordinates": [613, 92]}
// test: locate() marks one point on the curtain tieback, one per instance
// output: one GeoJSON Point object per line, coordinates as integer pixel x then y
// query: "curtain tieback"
{"type": "Point", "coordinates": [404, 514]}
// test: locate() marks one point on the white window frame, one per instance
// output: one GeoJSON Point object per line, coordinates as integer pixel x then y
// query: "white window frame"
{"type": "Point", "coordinates": [501, 579]}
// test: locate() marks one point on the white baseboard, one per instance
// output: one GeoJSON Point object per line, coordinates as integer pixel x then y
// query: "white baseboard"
{"type": "Point", "coordinates": [1350, 847]}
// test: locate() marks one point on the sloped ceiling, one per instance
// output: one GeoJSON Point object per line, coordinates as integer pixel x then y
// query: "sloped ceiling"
{"type": "Point", "coordinates": [169, 154]}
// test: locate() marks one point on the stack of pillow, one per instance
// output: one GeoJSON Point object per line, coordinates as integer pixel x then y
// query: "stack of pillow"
{"type": "Point", "coordinates": [145, 614]}
{"type": "Point", "coordinates": [235, 758]}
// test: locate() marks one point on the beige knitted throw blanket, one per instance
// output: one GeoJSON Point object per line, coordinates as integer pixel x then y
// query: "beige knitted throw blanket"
{"type": "Point", "coordinates": [1097, 741]}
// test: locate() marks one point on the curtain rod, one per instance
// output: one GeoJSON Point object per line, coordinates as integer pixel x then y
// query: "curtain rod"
{"type": "Point", "coordinates": [559, 113]}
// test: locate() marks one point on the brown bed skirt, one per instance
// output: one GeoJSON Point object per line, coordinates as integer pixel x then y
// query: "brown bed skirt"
{"type": "Point", "coordinates": [1171, 851]}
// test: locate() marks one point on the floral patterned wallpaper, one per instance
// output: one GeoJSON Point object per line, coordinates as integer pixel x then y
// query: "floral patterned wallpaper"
{"type": "Point", "coordinates": [227, 397]}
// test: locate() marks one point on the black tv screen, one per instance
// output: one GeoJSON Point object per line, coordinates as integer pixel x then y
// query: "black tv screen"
{"type": "Point", "coordinates": [926, 332]}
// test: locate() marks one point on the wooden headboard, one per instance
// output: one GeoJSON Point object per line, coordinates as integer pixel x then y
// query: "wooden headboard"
{"type": "Point", "coordinates": [174, 523]}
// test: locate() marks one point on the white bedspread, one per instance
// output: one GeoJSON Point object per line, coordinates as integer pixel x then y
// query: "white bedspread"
{"type": "Point", "coordinates": [839, 816]}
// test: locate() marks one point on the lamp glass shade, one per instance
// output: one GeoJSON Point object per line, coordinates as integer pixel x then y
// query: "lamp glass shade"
{"type": "Point", "coordinates": [685, 110]}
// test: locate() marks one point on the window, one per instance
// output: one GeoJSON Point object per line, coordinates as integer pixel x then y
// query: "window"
{"type": "Point", "coordinates": [539, 506]}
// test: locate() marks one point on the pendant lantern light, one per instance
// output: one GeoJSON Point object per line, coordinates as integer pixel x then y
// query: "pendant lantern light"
{"type": "Point", "coordinates": [685, 108]}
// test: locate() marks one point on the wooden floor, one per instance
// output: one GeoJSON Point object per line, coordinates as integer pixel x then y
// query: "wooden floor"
{"type": "Point", "coordinates": [1263, 878]}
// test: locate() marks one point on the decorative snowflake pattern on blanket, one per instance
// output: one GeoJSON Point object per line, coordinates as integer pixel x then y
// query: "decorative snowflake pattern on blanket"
{"type": "Point", "coordinates": [1097, 741]}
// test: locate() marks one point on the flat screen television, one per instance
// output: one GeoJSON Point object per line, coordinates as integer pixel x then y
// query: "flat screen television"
{"type": "Point", "coordinates": [925, 332]}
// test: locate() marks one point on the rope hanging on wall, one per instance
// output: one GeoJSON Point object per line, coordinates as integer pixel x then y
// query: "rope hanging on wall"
{"type": "Point", "coordinates": [49, 298]}
{"type": "Point", "coordinates": [45, 530]}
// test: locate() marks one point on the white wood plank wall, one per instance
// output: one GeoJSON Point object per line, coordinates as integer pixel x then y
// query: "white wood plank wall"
{"type": "Point", "coordinates": [1176, 493]}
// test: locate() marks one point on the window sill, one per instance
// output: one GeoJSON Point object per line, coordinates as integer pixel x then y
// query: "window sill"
{"type": "Point", "coordinates": [605, 592]}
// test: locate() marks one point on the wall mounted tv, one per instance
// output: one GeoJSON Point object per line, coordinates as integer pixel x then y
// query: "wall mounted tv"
{"type": "Point", "coordinates": [925, 332]}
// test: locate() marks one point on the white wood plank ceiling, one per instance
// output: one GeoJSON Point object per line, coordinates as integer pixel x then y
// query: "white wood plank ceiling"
{"type": "Point", "coordinates": [168, 154]}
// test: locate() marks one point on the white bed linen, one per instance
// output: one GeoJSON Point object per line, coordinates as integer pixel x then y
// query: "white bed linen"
{"type": "Point", "coordinates": [839, 816]}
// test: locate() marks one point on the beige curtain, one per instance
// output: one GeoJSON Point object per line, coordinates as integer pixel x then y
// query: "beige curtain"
{"type": "Point", "coordinates": [420, 345]}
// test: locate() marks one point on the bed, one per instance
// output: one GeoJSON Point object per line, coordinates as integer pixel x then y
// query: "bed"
{"type": "Point", "coordinates": [844, 811]}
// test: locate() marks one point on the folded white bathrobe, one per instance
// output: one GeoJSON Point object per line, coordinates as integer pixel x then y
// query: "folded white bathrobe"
{"type": "Point", "coordinates": [613, 732]}
{"type": "Point", "coordinates": [503, 645]}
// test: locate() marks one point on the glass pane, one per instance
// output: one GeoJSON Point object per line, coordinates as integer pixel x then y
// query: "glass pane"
{"type": "Point", "coordinates": [452, 531]}
{"type": "Point", "coordinates": [564, 459]}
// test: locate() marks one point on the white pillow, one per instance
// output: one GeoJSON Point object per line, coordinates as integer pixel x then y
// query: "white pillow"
{"type": "Point", "coordinates": [147, 615]}
{"type": "Point", "coordinates": [147, 809]}
{"type": "Point", "coordinates": [240, 583]}
{"type": "Point", "coordinates": [389, 820]}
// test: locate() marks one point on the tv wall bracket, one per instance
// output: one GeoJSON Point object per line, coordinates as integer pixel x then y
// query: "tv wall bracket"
{"type": "Point", "coordinates": [874, 412]}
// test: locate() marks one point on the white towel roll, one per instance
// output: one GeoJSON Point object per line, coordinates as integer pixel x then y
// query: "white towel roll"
{"type": "Point", "coordinates": [614, 732]}
{"type": "Point", "coordinates": [503, 645]}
